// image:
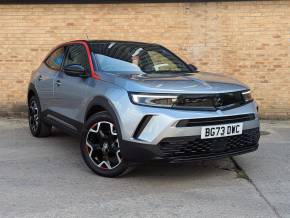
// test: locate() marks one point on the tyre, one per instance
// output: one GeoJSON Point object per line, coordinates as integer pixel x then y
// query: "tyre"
{"type": "Point", "coordinates": [38, 127]}
{"type": "Point", "coordinates": [100, 146]}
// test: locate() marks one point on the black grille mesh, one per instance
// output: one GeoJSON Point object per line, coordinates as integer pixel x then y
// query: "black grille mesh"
{"type": "Point", "coordinates": [215, 120]}
{"type": "Point", "coordinates": [194, 147]}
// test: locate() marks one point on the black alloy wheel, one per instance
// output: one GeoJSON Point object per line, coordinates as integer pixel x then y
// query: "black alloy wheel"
{"type": "Point", "coordinates": [38, 127]}
{"type": "Point", "coordinates": [100, 146]}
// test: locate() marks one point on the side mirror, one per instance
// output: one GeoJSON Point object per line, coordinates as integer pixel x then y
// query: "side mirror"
{"type": "Point", "coordinates": [192, 68]}
{"type": "Point", "coordinates": [76, 70]}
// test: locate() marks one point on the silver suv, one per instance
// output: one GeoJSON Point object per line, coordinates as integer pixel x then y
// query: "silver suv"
{"type": "Point", "coordinates": [133, 102]}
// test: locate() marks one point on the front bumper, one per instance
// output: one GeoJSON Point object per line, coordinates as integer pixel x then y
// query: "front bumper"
{"type": "Point", "coordinates": [165, 123]}
{"type": "Point", "coordinates": [174, 135]}
{"type": "Point", "coordinates": [186, 149]}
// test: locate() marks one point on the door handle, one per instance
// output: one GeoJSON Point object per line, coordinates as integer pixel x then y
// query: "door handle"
{"type": "Point", "coordinates": [58, 82]}
{"type": "Point", "coordinates": [40, 78]}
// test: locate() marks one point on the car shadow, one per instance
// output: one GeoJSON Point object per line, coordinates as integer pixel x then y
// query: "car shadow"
{"type": "Point", "coordinates": [68, 145]}
{"type": "Point", "coordinates": [205, 168]}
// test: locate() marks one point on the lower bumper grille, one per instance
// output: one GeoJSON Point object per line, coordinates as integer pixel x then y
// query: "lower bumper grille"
{"type": "Point", "coordinates": [216, 120]}
{"type": "Point", "coordinates": [184, 148]}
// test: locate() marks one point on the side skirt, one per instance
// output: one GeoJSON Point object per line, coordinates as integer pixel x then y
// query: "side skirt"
{"type": "Point", "coordinates": [68, 125]}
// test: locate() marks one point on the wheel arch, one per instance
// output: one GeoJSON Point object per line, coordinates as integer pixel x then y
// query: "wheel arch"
{"type": "Point", "coordinates": [100, 104]}
{"type": "Point", "coordinates": [31, 91]}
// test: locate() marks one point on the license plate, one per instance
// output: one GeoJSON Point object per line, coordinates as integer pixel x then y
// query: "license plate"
{"type": "Point", "coordinates": [221, 130]}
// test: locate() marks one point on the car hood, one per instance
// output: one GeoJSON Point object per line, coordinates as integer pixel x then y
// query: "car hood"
{"type": "Point", "coordinates": [201, 82]}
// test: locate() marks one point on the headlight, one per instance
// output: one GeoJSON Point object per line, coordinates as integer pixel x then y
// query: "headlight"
{"type": "Point", "coordinates": [155, 100]}
{"type": "Point", "coordinates": [247, 96]}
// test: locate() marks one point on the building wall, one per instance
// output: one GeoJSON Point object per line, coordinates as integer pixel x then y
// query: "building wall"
{"type": "Point", "coordinates": [246, 40]}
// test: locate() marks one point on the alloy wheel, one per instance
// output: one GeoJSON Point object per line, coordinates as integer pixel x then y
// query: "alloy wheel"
{"type": "Point", "coordinates": [103, 145]}
{"type": "Point", "coordinates": [33, 116]}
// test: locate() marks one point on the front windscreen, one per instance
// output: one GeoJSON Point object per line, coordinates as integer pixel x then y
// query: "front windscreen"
{"type": "Point", "coordinates": [136, 57]}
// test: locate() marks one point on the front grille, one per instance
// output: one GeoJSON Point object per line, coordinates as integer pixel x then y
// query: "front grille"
{"type": "Point", "coordinates": [220, 101]}
{"type": "Point", "coordinates": [186, 148]}
{"type": "Point", "coordinates": [215, 120]}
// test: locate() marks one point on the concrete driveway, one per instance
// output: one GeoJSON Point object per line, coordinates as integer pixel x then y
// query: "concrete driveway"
{"type": "Point", "coordinates": [47, 178]}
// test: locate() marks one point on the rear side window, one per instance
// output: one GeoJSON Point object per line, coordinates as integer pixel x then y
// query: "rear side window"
{"type": "Point", "coordinates": [54, 61]}
{"type": "Point", "coordinates": [76, 54]}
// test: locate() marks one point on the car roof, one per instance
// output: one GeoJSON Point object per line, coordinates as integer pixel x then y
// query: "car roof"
{"type": "Point", "coordinates": [114, 41]}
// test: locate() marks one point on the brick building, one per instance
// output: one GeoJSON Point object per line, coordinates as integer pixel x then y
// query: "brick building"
{"type": "Point", "coordinates": [248, 40]}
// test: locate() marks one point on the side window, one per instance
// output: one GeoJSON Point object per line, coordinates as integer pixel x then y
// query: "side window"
{"type": "Point", "coordinates": [76, 54]}
{"type": "Point", "coordinates": [54, 61]}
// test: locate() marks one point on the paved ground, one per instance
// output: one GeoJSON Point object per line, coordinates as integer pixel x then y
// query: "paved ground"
{"type": "Point", "coordinates": [47, 178]}
{"type": "Point", "coordinates": [269, 168]}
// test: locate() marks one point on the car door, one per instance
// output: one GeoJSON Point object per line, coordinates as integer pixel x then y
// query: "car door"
{"type": "Point", "coordinates": [70, 91]}
{"type": "Point", "coordinates": [46, 77]}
